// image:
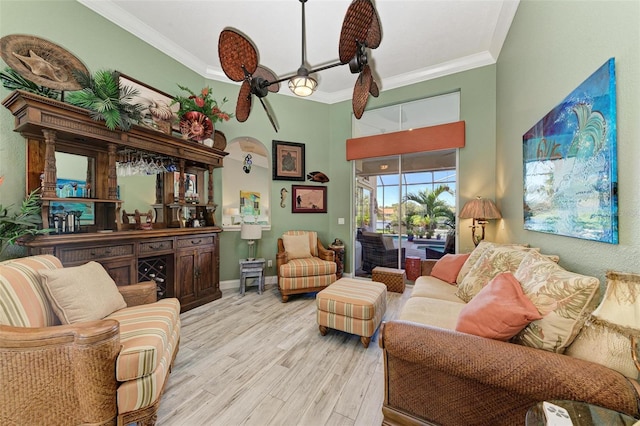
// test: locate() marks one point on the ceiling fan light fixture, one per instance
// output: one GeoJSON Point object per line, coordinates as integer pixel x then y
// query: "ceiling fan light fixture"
{"type": "Point", "coordinates": [301, 84]}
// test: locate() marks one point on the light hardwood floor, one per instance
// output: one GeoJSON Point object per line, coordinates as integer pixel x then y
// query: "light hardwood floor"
{"type": "Point", "coordinates": [256, 361]}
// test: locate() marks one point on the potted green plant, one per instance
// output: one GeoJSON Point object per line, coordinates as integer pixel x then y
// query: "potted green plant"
{"type": "Point", "coordinates": [21, 224]}
{"type": "Point", "coordinates": [198, 113]}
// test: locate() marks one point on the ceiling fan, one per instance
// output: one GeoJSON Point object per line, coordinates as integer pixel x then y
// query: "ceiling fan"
{"type": "Point", "coordinates": [360, 31]}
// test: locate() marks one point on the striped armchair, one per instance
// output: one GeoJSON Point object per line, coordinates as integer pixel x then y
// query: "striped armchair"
{"type": "Point", "coordinates": [304, 265]}
{"type": "Point", "coordinates": [96, 372]}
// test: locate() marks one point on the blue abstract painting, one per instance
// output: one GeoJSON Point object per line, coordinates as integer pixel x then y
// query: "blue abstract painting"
{"type": "Point", "coordinates": [570, 164]}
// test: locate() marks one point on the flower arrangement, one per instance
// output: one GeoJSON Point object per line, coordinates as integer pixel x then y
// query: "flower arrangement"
{"type": "Point", "coordinates": [203, 103]}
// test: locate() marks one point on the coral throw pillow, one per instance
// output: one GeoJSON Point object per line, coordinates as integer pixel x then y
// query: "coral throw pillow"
{"type": "Point", "coordinates": [448, 266]}
{"type": "Point", "coordinates": [499, 311]}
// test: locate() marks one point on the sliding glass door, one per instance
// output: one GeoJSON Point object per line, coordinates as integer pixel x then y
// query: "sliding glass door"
{"type": "Point", "coordinates": [404, 206]}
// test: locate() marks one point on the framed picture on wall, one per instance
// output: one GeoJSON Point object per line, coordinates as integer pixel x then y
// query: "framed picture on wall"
{"type": "Point", "coordinates": [288, 160]}
{"type": "Point", "coordinates": [570, 164]}
{"type": "Point", "coordinates": [149, 96]}
{"type": "Point", "coordinates": [308, 199]}
{"type": "Point", "coordinates": [249, 203]}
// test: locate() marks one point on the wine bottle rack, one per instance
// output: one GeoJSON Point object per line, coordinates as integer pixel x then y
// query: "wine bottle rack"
{"type": "Point", "coordinates": [154, 269]}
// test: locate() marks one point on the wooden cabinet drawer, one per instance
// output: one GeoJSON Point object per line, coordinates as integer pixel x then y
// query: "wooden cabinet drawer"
{"type": "Point", "coordinates": [95, 253]}
{"type": "Point", "coordinates": [154, 246]}
{"type": "Point", "coordinates": [195, 241]}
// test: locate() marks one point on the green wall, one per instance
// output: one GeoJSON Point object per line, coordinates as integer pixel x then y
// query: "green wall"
{"type": "Point", "coordinates": [551, 48]}
{"type": "Point", "coordinates": [103, 45]}
{"type": "Point", "coordinates": [322, 128]}
{"type": "Point", "coordinates": [476, 161]}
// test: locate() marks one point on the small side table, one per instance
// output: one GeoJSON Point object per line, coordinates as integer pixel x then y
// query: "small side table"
{"type": "Point", "coordinates": [339, 251]}
{"type": "Point", "coordinates": [253, 268]}
{"type": "Point", "coordinates": [413, 267]}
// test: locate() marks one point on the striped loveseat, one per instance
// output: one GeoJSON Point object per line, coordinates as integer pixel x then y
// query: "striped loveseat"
{"type": "Point", "coordinates": [96, 372]}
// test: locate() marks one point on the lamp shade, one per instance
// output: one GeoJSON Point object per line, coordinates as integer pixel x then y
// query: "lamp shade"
{"type": "Point", "coordinates": [481, 209]}
{"type": "Point", "coordinates": [250, 231]}
{"type": "Point", "coordinates": [301, 84]}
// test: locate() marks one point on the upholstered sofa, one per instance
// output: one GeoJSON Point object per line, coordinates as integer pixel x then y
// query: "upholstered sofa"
{"type": "Point", "coordinates": [379, 250]}
{"type": "Point", "coordinates": [304, 265]}
{"type": "Point", "coordinates": [436, 373]}
{"type": "Point", "coordinates": [102, 371]}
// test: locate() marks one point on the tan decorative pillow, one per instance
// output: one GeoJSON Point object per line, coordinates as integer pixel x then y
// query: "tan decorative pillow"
{"type": "Point", "coordinates": [82, 293]}
{"type": "Point", "coordinates": [494, 260]}
{"type": "Point", "coordinates": [563, 298]}
{"type": "Point", "coordinates": [475, 255]}
{"type": "Point", "coordinates": [296, 246]}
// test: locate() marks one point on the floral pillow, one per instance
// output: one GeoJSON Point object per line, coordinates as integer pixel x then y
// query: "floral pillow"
{"type": "Point", "coordinates": [564, 299]}
{"type": "Point", "coordinates": [493, 261]}
{"type": "Point", "coordinates": [475, 255]}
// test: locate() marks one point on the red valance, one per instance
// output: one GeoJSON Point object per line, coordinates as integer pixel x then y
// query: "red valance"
{"type": "Point", "coordinates": [433, 138]}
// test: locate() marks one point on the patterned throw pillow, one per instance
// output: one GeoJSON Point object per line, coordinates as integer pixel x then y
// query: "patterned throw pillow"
{"type": "Point", "coordinates": [493, 261]}
{"type": "Point", "coordinates": [609, 333]}
{"type": "Point", "coordinates": [475, 255]}
{"type": "Point", "coordinates": [563, 298]}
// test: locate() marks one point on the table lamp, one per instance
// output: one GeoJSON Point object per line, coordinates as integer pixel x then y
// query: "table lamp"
{"type": "Point", "coordinates": [480, 210]}
{"type": "Point", "coordinates": [251, 232]}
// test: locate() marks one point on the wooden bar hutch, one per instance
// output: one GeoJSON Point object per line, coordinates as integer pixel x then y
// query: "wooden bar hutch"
{"type": "Point", "coordinates": [184, 261]}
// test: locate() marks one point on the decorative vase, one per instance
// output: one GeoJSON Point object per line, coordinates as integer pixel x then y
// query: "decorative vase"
{"type": "Point", "coordinates": [195, 125]}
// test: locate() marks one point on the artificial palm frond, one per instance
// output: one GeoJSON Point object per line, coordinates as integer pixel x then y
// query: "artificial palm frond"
{"type": "Point", "coordinates": [25, 222]}
{"type": "Point", "coordinates": [107, 100]}
{"type": "Point", "coordinates": [13, 81]}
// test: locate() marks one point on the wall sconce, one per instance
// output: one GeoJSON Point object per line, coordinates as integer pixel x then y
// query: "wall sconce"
{"type": "Point", "coordinates": [481, 210]}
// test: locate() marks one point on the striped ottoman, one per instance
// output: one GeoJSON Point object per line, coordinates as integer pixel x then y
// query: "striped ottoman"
{"type": "Point", "coordinates": [352, 306]}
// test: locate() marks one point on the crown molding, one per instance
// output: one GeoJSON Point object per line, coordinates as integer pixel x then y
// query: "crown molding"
{"type": "Point", "coordinates": [112, 12]}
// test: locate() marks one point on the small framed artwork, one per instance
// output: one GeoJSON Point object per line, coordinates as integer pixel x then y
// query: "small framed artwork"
{"type": "Point", "coordinates": [149, 96]}
{"type": "Point", "coordinates": [308, 199]}
{"type": "Point", "coordinates": [288, 161]}
{"type": "Point", "coordinates": [249, 203]}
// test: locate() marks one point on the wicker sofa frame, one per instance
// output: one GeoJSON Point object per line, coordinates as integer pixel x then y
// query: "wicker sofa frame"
{"type": "Point", "coordinates": [438, 376]}
{"type": "Point", "coordinates": [66, 374]}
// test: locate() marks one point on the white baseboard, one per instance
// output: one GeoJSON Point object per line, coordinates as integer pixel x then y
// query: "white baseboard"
{"type": "Point", "coordinates": [268, 280]}
{"type": "Point", "coordinates": [235, 284]}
